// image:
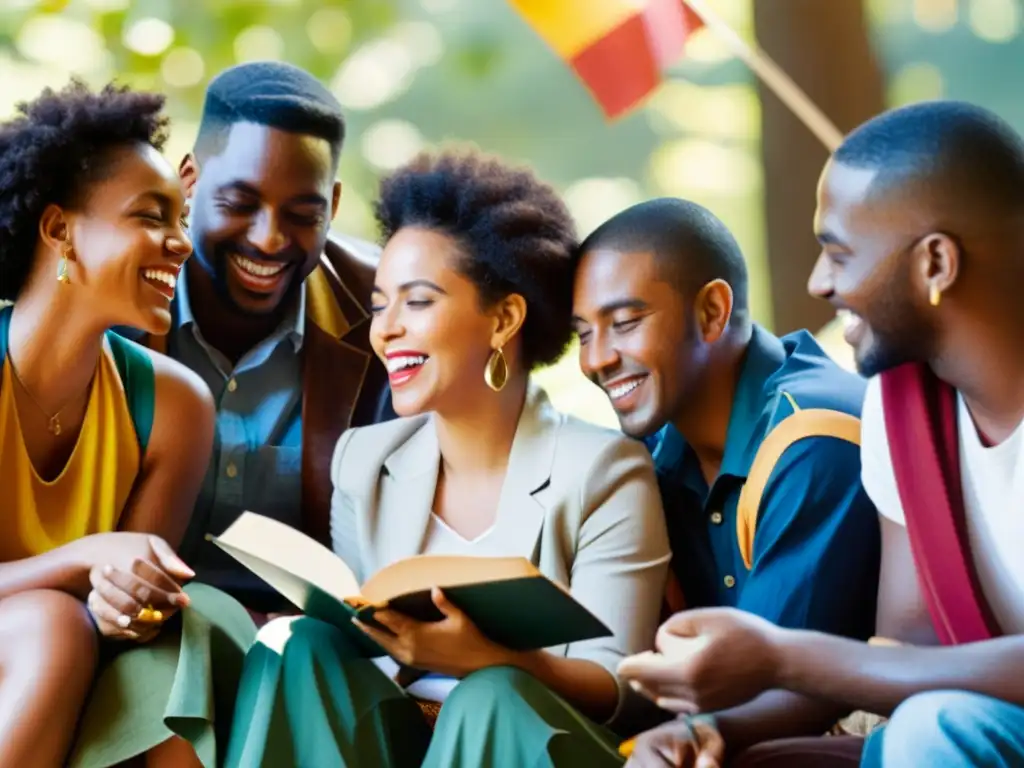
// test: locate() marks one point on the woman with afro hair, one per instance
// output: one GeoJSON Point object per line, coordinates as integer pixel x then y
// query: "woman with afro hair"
{"type": "Point", "coordinates": [98, 475]}
{"type": "Point", "coordinates": [473, 291]}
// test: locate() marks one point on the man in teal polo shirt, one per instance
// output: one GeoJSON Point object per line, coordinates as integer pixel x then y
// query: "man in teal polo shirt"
{"type": "Point", "coordinates": [662, 314]}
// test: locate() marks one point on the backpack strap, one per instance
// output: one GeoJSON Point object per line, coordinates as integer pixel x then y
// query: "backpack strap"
{"type": "Point", "coordinates": [921, 424]}
{"type": "Point", "coordinates": [5, 329]}
{"type": "Point", "coordinates": [812, 422]}
{"type": "Point", "coordinates": [136, 370]}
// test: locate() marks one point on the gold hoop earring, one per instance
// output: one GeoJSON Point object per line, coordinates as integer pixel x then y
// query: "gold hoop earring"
{"type": "Point", "coordinates": [934, 295]}
{"type": "Point", "coordinates": [62, 266]}
{"type": "Point", "coordinates": [496, 370]}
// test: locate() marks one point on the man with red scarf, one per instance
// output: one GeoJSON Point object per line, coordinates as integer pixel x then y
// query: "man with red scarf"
{"type": "Point", "coordinates": [921, 221]}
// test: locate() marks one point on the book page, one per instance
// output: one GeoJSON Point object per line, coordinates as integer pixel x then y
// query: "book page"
{"type": "Point", "coordinates": [425, 571]}
{"type": "Point", "coordinates": [278, 553]}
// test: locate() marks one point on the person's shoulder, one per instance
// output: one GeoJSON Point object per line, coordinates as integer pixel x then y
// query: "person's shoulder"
{"type": "Point", "coordinates": [385, 436]}
{"type": "Point", "coordinates": [170, 375]}
{"type": "Point", "coordinates": [176, 384]}
{"type": "Point", "coordinates": [873, 432]}
{"type": "Point", "coordinates": [354, 262]}
{"type": "Point", "coordinates": [363, 451]}
{"type": "Point", "coordinates": [809, 378]}
{"type": "Point", "coordinates": [180, 397]}
{"type": "Point", "coordinates": [598, 468]}
{"type": "Point", "coordinates": [576, 433]}
{"type": "Point", "coordinates": [584, 447]}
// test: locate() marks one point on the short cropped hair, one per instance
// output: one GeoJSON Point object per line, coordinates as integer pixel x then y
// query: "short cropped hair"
{"type": "Point", "coordinates": [51, 152]}
{"type": "Point", "coordinates": [959, 150]}
{"type": "Point", "coordinates": [688, 241]}
{"type": "Point", "coordinates": [516, 234]}
{"type": "Point", "coordinates": [273, 94]}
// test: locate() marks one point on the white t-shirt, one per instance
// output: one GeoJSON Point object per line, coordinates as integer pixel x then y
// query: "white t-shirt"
{"type": "Point", "coordinates": [993, 488]}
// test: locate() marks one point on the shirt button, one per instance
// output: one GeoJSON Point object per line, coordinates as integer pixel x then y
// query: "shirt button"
{"type": "Point", "coordinates": [232, 385]}
{"type": "Point", "coordinates": [231, 470]}
{"type": "Point", "coordinates": [730, 582]}
{"type": "Point", "coordinates": [716, 518]}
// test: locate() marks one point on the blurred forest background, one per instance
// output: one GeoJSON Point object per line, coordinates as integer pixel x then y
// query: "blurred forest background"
{"type": "Point", "coordinates": [415, 73]}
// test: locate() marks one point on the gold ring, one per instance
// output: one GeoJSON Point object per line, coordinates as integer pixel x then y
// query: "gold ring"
{"type": "Point", "coordinates": [148, 614]}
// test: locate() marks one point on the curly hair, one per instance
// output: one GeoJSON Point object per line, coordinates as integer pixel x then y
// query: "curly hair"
{"type": "Point", "coordinates": [516, 234]}
{"type": "Point", "coordinates": [59, 144]}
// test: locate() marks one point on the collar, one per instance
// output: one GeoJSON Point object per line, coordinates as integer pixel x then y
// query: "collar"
{"type": "Point", "coordinates": [529, 463]}
{"type": "Point", "coordinates": [292, 324]}
{"type": "Point", "coordinates": [332, 306]}
{"type": "Point", "coordinates": [764, 355]}
{"type": "Point", "coordinates": [414, 466]}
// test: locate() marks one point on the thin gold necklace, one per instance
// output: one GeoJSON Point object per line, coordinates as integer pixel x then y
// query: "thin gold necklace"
{"type": "Point", "coordinates": [53, 422]}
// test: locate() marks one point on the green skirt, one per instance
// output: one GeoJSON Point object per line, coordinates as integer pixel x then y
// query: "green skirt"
{"type": "Point", "coordinates": [183, 683]}
{"type": "Point", "coordinates": [309, 700]}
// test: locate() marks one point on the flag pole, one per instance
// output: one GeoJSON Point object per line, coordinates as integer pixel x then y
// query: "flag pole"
{"type": "Point", "coordinates": [772, 76]}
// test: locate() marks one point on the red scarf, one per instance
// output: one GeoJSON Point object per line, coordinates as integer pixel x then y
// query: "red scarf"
{"type": "Point", "coordinates": [921, 424]}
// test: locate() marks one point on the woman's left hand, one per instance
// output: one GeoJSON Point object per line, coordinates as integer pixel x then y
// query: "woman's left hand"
{"type": "Point", "coordinates": [452, 646]}
{"type": "Point", "coordinates": [120, 601]}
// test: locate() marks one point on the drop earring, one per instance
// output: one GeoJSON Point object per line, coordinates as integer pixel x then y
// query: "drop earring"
{"type": "Point", "coordinates": [934, 295]}
{"type": "Point", "coordinates": [496, 370]}
{"type": "Point", "coordinates": [62, 266]}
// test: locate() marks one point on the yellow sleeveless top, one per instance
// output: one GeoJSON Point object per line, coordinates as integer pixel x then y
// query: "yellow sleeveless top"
{"type": "Point", "coordinates": [90, 494]}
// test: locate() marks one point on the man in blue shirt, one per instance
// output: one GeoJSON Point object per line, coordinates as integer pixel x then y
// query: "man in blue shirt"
{"type": "Point", "coordinates": [664, 326]}
{"type": "Point", "coordinates": [271, 311]}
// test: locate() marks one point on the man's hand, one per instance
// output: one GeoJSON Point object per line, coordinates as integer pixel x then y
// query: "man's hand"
{"type": "Point", "coordinates": [688, 742]}
{"type": "Point", "coordinates": [706, 660]}
{"type": "Point", "coordinates": [452, 646]}
{"type": "Point", "coordinates": [136, 584]}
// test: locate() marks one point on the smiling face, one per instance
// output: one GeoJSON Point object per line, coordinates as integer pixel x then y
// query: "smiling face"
{"type": "Point", "coordinates": [869, 270]}
{"type": "Point", "coordinates": [261, 211]}
{"type": "Point", "coordinates": [638, 340]}
{"type": "Point", "coordinates": [128, 240]}
{"type": "Point", "coordinates": [428, 324]}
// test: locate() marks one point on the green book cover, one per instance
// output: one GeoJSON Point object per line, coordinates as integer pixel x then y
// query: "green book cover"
{"type": "Point", "coordinates": [523, 613]}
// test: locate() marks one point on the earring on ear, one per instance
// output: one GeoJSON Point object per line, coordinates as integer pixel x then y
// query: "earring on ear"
{"type": "Point", "coordinates": [934, 295]}
{"type": "Point", "coordinates": [496, 370]}
{"type": "Point", "coordinates": [62, 266]}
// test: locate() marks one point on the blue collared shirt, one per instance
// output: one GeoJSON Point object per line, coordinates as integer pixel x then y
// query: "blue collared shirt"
{"type": "Point", "coordinates": [257, 454]}
{"type": "Point", "coordinates": [817, 543]}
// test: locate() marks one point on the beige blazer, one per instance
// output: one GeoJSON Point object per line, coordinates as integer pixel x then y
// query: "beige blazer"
{"type": "Point", "coordinates": [590, 515]}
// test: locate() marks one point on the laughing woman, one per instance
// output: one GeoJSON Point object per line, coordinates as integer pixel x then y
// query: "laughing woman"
{"type": "Point", "coordinates": [473, 291]}
{"type": "Point", "coordinates": [98, 477]}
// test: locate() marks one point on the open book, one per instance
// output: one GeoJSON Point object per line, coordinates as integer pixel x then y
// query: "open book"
{"type": "Point", "coordinates": [507, 598]}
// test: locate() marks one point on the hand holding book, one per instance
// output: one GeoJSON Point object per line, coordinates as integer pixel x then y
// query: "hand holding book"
{"type": "Point", "coordinates": [453, 646]}
{"type": "Point", "coordinates": [492, 602]}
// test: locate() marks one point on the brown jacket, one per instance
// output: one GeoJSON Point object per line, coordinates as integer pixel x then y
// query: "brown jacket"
{"type": "Point", "coordinates": [344, 384]}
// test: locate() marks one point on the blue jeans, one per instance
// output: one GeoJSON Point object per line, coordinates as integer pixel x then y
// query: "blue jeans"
{"type": "Point", "coordinates": [952, 729]}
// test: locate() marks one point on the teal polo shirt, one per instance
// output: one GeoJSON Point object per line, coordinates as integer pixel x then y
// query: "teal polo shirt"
{"type": "Point", "coordinates": [817, 543]}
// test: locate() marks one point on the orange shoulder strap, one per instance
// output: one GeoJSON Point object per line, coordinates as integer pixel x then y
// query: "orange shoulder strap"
{"type": "Point", "coordinates": [813, 422]}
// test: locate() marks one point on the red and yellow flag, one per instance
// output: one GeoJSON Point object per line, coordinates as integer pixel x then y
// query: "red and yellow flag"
{"type": "Point", "coordinates": [618, 48]}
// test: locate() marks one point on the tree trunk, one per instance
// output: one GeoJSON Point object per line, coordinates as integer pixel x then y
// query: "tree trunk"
{"type": "Point", "coordinates": [824, 47]}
